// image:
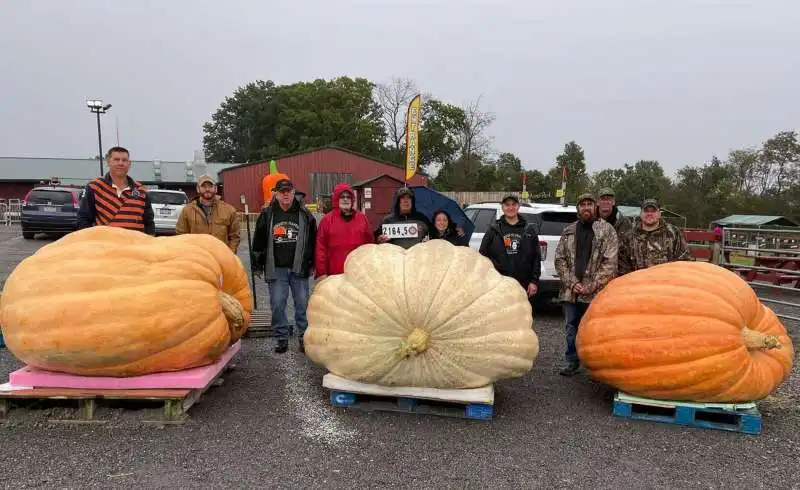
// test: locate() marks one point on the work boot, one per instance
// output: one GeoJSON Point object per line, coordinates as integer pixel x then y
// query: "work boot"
{"type": "Point", "coordinates": [282, 347]}
{"type": "Point", "coordinates": [570, 369]}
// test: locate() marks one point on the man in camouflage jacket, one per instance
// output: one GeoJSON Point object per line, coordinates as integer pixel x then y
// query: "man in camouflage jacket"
{"type": "Point", "coordinates": [608, 210]}
{"type": "Point", "coordinates": [651, 241]}
{"type": "Point", "coordinates": [585, 261]}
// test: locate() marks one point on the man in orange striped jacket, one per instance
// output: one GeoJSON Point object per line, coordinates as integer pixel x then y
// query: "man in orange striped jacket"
{"type": "Point", "coordinates": [116, 199]}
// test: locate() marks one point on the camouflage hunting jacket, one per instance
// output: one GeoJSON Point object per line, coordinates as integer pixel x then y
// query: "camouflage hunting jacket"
{"type": "Point", "coordinates": [641, 249]}
{"type": "Point", "coordinates": [623, 225]}
{"type": "Point", "coordinates": [602, 266]}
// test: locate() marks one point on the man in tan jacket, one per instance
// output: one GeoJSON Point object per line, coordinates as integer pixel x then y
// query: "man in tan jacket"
{"type": "Point", "coordinates": [209, 214]}
{"type": "Point", "coordinates": [585, 261]}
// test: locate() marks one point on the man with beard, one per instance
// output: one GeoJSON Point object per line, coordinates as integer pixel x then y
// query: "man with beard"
{"type": "Point", "coordinates": [209, 214]}
{"type": "Point", "coordinates": [283, 250]}
{"type": "Point", "coordinates": [512, 244]}
{"type": "Point", "coordinates": [585, 261]}
{"type": "Point", "coordinates": [341, 231]}
{"type": "Point", "coordinates": [607, 209]}
{"type": "Point", "coordinates": [395, 227]}
{"type": "Point", "coordinates": [652, 241]}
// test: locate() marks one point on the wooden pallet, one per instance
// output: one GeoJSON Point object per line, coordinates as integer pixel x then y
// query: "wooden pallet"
{"type": "Point", "coordinates": [261, 325]}
{"type": "Point", "coordinates": [477, 403]}
{"type": "Point", "coordinates": [738, 417]}
{"type": "Point", "coordinates": [176, 402]}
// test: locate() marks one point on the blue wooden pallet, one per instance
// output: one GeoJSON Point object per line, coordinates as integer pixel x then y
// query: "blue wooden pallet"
{"type": "Point", "coordinates": [471, 403]}
{"type": "Point", "coordinates": [476, 411]}
{"type": "Point", "coordinates": [744, 418]}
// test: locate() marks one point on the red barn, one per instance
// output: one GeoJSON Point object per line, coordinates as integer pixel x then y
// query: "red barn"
{"type": "Point", "coordinates": [315, 173]}
{"type": "Point", "coordinates": [375, 196]}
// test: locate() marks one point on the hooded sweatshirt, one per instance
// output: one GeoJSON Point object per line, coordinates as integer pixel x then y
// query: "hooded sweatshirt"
{"type": "Point", "coordinates": [338, 235]}
{"type": "Point", "coordinates": [413, 217]}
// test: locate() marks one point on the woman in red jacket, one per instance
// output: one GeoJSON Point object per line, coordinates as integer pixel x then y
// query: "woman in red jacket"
{"type": "Point", "coordinates": [340, 232]}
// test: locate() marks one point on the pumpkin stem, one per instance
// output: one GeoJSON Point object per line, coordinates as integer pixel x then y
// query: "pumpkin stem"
{"type": "Point", "coordinates": [415, 343]}
{"type": "Point", "coordinates": [233, 312]}
{"type": "Point", "coordinates": [754, 339]}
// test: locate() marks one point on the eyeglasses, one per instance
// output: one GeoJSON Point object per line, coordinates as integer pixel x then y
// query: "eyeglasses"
{"type": "Point", "coordinates": [345, 197]}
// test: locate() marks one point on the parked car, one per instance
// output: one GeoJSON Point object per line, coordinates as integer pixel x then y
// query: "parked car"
{"type": "Point", "coordinates": [167, 207]}
{"type": "Point", "coordinates": [50, 209]}
{"type": "Point", "coordinates": [550, 221]}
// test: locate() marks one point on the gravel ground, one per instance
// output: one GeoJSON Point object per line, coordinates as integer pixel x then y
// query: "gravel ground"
{"type": "Point", "coordinates": [270, 425]}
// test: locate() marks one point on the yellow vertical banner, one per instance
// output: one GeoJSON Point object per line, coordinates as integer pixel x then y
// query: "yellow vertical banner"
{"type": "Point", "coordinates": [412, 136]}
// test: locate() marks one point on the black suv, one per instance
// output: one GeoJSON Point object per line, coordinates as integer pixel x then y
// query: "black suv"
{"type": "Point", "coordinates": [50, 209]}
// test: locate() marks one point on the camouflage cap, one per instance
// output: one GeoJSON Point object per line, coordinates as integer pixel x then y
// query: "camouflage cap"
{"type": "Point", "coordinates": [606, 191]}
{"type": "Point", "coordinates": [510, 197]}
{"type": "Point", "coordinates": [586, 196]}
{"type": "Point", "coordinates": [650, 203]}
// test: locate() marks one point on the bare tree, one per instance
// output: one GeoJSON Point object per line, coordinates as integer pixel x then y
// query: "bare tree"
{"type": "Point", "coordinates": [474, 140]}
{"type": "Point", "coordinates": [393, 99]}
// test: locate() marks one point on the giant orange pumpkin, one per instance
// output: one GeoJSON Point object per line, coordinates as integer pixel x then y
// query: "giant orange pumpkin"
{"type": "Point", "coordinates": [113, 302]}
{"type": "Point", "coordinates": [686, 331]}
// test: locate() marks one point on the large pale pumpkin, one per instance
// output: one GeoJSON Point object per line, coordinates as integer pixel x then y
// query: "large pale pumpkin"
{"type": "Point", "coordinates": [434, 315]}
{"type": "Point", "coordinates": [689, 331]}
{"type": "Point", "coordinates": [112, 302]}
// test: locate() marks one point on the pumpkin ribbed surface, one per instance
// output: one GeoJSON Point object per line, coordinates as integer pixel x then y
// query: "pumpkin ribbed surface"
{"type": "Point", "coordinates": [434, 315]}
{"type": "Point", "coordinates": [106, 301]}
{"type": "Point", "coordinates": [687, 331]}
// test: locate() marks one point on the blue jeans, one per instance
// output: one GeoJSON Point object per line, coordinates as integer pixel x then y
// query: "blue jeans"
{"type": "Point", "coordinates": [573, 313]}
{"type": "Point", "coordinates": [287, 281]}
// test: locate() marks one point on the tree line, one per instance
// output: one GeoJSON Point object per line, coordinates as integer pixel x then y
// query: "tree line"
{"type": "Point", "coordinates": [262, 119]}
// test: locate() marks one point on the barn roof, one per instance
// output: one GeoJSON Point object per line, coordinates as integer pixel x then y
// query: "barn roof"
{"type": "Point", "coordinates": [373, 179]}
{"type": "Point", "coordinates": [312, 150]}
{"type": "Point", "coordinates": [755, 220]}
{"type": "Point", "coordinates": [81, 170]}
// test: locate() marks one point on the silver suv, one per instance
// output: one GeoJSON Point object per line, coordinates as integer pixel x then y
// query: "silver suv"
{"type": "Point", "coordinates": [167, 206]}
{"type": "Point", "coordinates": [550, 221]}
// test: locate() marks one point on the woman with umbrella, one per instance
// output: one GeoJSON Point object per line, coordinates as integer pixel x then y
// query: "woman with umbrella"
{"type": "Point", "coordinates": [445, 229]}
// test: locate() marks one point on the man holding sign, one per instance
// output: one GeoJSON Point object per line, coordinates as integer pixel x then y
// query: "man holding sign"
{"type": "Point", "coordinates": [406, 226]}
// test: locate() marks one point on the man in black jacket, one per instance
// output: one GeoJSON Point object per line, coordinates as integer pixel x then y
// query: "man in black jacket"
{"type": "Point", "coordinates": [512, 244]}
{"type": "Point", "coordinates": [406, 226]}
{"type": "Point", "coordinates": [283, 249]}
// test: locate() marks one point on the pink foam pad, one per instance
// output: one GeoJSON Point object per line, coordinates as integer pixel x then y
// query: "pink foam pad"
{"type": "Point", "coordinates": [189, 378]}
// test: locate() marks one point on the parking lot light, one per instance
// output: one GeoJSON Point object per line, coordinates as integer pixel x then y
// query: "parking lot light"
{"type": "Point", "coordinates": [97, 107]}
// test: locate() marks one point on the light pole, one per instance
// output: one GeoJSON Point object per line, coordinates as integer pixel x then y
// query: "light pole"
{"type": "Point", "coordinates": [96, 106]}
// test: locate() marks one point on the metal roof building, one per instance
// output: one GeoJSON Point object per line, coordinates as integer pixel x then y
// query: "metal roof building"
{"type": "Point", "coordinates": [755, 220]}
{"type": "Point", "coordinates": [19, 174]}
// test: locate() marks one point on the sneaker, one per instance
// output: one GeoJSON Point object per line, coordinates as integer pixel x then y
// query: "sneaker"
{"type": "Point", "coordinates": [570, 369]}
{"type": "Point", "coordinates": [282, 347]}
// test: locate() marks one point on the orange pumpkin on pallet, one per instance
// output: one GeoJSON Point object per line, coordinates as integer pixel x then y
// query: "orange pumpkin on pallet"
{"type": "Point", "coordinates": [107, 301]}
{"type": "Point", "coordinates": [685, 331]}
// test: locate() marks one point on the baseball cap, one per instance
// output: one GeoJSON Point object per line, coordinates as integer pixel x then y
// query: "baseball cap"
{"type": "Point", "coordinates": [648, 203]}
{"type": "Point", "coordinates": [405, 191]}
{"type": "Point", "coordinates": [205, 178]}
{"type": "Point", "coordinates": [606, 191]}
{"type": "Point", "coordinates": [586, 196]}
{"type": "Point", "coordinates": [511, 197]}
{"type": "Point", "coordinates": [283, 185]}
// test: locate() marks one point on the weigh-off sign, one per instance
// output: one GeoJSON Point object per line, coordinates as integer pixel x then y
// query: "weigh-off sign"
{"type": "Point", "coordinates": [401, 230]}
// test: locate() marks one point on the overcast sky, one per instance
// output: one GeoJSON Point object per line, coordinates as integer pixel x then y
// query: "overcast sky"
{"type": "Point", "coordinates": [677, 81]}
